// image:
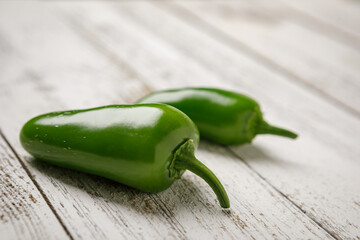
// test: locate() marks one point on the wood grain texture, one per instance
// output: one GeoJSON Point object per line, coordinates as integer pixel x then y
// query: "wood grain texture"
{"type": "Point", "coordinates": [58, 68]}
{"type": "Point", "coordinates": [312, 172]}
{"type": "Point", "coordinates": [269, 34]}
{"type": "Point", "coordinates": [24, 214]}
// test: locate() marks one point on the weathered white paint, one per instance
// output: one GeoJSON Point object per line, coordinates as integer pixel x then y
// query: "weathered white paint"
{"type": "Point", "coordinates": [94, 54]}
{"type": "Point", "coordinates": [24, 214]}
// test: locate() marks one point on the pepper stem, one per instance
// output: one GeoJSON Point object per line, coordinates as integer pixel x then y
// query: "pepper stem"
{"type": "Point", "coordinates": [184, 159]}
{"type": "Point", "coordinates": [265, 128]}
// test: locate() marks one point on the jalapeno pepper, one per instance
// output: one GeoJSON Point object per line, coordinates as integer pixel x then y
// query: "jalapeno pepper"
{"type": "Point", "coordinates": [222, 116]}
{"type": "Point", "coordinates": [145, 146]}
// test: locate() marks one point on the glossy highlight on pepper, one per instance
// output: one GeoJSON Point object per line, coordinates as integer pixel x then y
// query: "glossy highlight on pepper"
{"type": "Point", "coordinates": [145, 146]}
{"type": "Point", "coordinates": [222, 116]}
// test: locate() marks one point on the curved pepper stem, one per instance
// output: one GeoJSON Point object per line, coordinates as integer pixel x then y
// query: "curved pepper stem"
{"type": "Point", "coordinates": [265, 128]}
{"type": "Point", "coordinates": [184, 159]}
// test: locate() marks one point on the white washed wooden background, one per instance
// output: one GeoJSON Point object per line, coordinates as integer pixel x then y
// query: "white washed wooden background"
{"type": "Point", "coordinates": [299, 59]}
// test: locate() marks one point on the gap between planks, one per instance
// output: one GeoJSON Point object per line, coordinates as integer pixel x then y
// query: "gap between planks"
{"type": "Point", "coordinates": [36, 185]}
{"type": "Point", "coordinates": [87, 36]}
{"type": "Point", "coordinates": [187, 16]}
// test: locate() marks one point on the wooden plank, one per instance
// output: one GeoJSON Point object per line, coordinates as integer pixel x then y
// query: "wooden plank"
{"type": "Point", "coordinates": [93, 207]}
{"type": "Point", "coordinates": [268, 33]}
{"type": "Point", "coordinates": [24, 214]}
{"type": "Point", "coordinates": [318, 172]}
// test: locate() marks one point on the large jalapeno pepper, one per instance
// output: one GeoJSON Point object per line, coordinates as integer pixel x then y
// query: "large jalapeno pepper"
{"type": "Point", "coordinates": [145, 146]}
{"type": "Point", "coordinates": [222, 116]}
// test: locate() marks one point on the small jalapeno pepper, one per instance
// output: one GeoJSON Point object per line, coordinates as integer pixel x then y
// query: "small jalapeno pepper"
{"type": "Point", "coordinates": [144, 146]}
{"type": "Point", "coordinates": [222, 116]}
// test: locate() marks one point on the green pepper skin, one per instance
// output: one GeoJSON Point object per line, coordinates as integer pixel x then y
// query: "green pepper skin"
{"type": "Point", "coordinates": [145, 146]}
{"type": "Point", "coordinates": [222, 116]}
